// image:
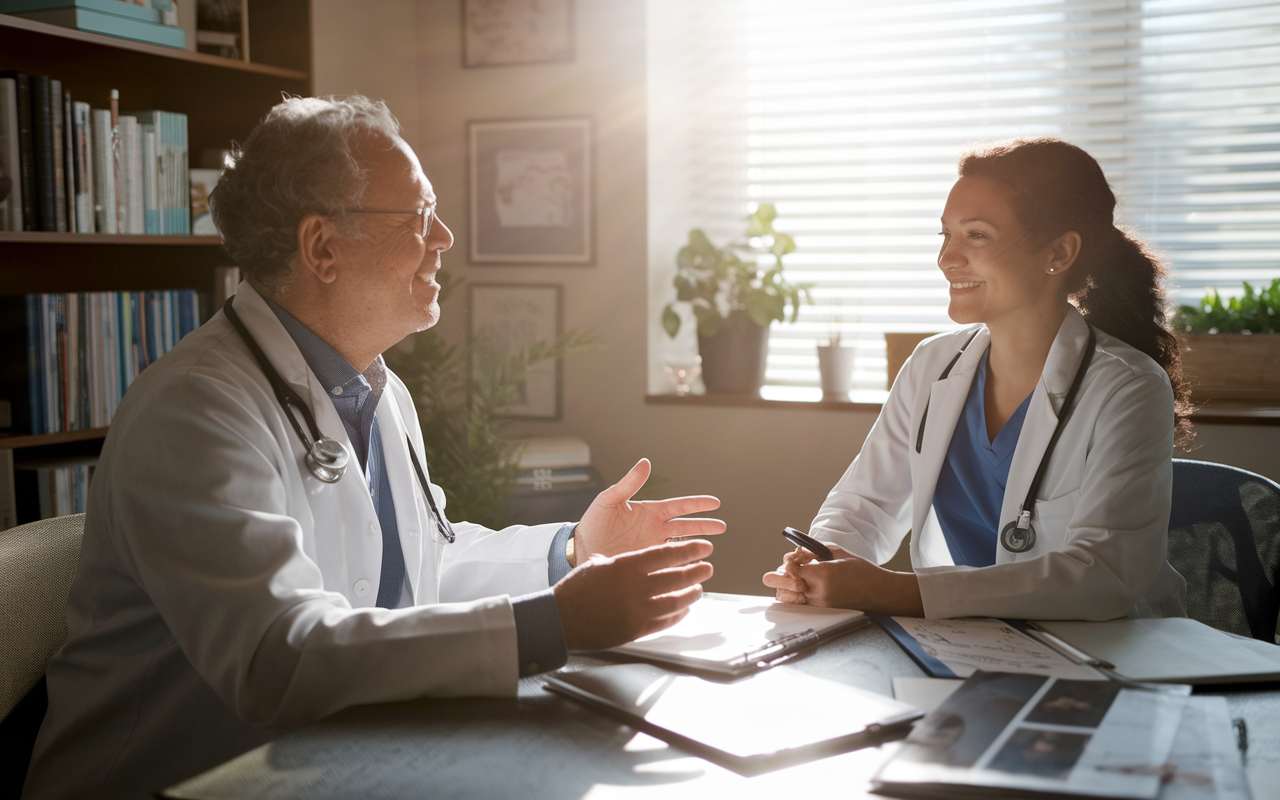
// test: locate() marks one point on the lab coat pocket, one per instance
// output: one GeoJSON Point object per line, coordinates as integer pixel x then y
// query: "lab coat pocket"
{"type": "Point", "coordinates": [1052, 519]}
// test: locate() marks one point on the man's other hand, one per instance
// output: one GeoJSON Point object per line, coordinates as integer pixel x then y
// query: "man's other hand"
{"type": "Point", "coordinates": [608, 601]}
{"type": "Point", "coordinates": [616, 524]}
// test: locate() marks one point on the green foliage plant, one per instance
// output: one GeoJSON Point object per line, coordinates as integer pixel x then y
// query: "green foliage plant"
{"type": "Point", "coordinates": [460, 392]}
{"type": "Point", "coordinates": [728, 285]}
{"type": "Point", "coordinates": [1258, 311]}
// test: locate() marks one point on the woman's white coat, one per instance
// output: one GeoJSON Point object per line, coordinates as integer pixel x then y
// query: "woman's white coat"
{"type": "Point", "coordinates": [1102, 512]}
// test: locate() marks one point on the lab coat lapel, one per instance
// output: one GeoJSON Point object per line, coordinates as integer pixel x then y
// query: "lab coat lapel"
{"type": "Point", "coordinates": [351, 561]}
{"type": "Point", "coordinates": [946, 401]}
{"type": "Point", "coordinates": [1042, 417]}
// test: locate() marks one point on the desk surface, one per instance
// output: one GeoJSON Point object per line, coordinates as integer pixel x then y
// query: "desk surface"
{"type": "Point", "coordinates": [540, 745]}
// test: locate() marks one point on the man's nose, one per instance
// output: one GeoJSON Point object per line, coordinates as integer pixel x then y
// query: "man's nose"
{"type": "Point", "coordinates": [440, 238]}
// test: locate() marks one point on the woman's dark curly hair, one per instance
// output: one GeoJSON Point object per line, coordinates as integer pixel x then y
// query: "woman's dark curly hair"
{"type": "Point", "coordinates": [1117, 280]}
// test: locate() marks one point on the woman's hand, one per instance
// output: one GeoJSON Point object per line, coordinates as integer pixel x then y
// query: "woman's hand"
{"type": "Point", "coordinates": [847, 581]}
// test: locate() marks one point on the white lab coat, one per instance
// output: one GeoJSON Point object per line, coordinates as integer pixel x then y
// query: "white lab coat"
{"type": "Point", "coordinates": [1102, 513]}
{"type": "Point", "coordinates": [224, 592]}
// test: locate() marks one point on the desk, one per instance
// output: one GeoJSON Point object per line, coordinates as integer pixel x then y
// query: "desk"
{"type": "Point", "coordinates": [543, 746]}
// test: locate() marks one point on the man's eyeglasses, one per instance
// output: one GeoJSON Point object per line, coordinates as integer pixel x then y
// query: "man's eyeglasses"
{"type": "Point", "coordinates": [428, 215]}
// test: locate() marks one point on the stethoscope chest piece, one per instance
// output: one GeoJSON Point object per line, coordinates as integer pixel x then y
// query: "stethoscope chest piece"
{"type": "Point", "coordinates": [327, 460]}
{"type": "Point", "coordinates": [1016, 539]}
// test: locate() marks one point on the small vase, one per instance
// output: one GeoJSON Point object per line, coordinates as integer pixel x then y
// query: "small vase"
{"type": "Point", "coordinates": [733, 360]}
{"type": "Point", "coordinates": [835, 364]}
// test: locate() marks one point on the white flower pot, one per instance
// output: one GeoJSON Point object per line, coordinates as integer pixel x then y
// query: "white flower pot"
{"type": "Point", "coordinates": [835, 364]}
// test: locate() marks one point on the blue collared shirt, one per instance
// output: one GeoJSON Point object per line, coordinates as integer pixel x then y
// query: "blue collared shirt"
{"type": "Point", "coordinates": [540, 643]}
{"type": "Point", "coordinates": [971, 484]}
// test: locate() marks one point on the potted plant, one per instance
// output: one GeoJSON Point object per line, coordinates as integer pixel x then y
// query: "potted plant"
{"type": "Point", "coordinates": [835, 361]}
{"type": "Point", "coordinates": [734, 299]}
{"type": "Point", "coordinates": [1229, 347]}
{"type": "Point", "coordinates": [459, 397]}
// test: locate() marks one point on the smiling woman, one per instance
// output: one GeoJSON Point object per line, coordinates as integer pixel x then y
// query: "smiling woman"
{"type": "Point", "coordinates": [1031, 450]}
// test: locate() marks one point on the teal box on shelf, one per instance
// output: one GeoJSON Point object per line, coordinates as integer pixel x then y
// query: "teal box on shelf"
{"type": "Point", "coordinates": [119, 8]}
{"type": "Point", "coordinates": [110, 17]}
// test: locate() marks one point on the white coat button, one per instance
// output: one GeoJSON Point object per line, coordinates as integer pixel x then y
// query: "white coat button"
{"type": "Point", "coordinates": [413, 532]}
{"type": "Point", "coordinates": [361, 588]}
{"type": "Point", "coordinates": [373, 529]}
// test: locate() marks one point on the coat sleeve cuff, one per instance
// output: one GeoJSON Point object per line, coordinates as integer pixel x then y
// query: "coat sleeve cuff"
{"type": "Point", "coordinates": [540, 645]}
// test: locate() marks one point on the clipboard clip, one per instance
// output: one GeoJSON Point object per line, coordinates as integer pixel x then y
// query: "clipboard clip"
{"type": "Point", "coordinates": [777, 652]}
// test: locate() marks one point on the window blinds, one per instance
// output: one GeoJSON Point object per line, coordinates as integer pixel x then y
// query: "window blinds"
{"type": "Point", "coordinates": [850, 117]}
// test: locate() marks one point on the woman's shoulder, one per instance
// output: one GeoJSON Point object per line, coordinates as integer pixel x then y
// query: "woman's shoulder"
{"type": "Point", "coordinates": [1123, 360]}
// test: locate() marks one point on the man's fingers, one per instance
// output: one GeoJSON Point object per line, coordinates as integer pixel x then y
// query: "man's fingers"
{"type": "Point", "coordinates": [625, 489]}
{"type": "Point", "coordinates": [662, 556]}
{"type": "Point", "coordinates": [796, 598]}
{"type": "Point", "coordinates": [786, 581]}
{"type": "Point", "coordinates": [670, 580]}
{"type": "Point", "coordinates": [667, 604]}
{"type": "Point", "coordinates": [696, 526]}
{"type": "Point", "coordinates": [680, 506]}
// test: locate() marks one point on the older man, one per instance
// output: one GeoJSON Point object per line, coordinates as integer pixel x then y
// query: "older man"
{"type": "Point", "coordinates": [228, 586]}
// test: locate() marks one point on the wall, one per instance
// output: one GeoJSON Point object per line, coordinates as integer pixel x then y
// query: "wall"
{"type": "Point", "coordinates": [769, 467]}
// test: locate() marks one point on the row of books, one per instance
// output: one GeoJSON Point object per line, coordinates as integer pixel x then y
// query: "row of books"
{"type": "Point", "coordinates": [73, 168]}
{"type": "Point", "coordinates": [67, 359]}
{"type": "Point", "coordinates": [52, 488]}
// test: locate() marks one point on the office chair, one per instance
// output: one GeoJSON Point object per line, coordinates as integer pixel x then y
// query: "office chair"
{"type": "Point", "coordinates": [1224, 537]}
{"type": "Point", "coordinates": [37, 562]}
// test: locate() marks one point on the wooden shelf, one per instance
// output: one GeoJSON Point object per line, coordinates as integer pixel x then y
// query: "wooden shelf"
{"type": "Point", "coordinates": [12, 442]}
{"type": "Point", "coordinates": [751, 401]}
{"type": "Point", "coordinates": [175, 240]}
{"type": "Point", "coordinates": [70, 34]}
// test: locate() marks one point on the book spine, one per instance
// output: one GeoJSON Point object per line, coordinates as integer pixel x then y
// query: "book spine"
{"type": "Point", "coordinates": [150, 184]}
{"type": "Point", "coordinates": [35, 364]}
{"type": "Point", "coordinates": [83, 360]}
{"type": "Point", "coordinates": [84, 169]}
{"type": "Point", "coordinates": [8, 494]}
{"type": "Point", "coordinates": [42, 140]}
{"type": "Point", "coordinates": [49, 361]}
{"type": "Point", "coordinates": [133, 189]}
{"type": "Point", "coordinates": [10, 155]}
{"type": "Point", "coordinates": [56, 123]}
{"type": "Point", "coordinates": [104, 184]}
{"type": "Point", "coordinates": [71, 358]}
{"type": "Point", "coordinates": [26, 148]}
{"type": "Point", "coordinates": [68, 162]}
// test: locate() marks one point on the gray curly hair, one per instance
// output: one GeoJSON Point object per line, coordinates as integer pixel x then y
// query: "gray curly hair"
{"type": "Point", "coordinates": [299, 160]}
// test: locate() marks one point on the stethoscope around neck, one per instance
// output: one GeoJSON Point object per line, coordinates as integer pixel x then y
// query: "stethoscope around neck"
{"type": "Point", "coordinates": [326, 458]}
{"type": "Point", "coordinates": [1019, 536]}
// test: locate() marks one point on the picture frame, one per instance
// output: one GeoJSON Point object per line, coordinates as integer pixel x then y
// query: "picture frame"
{"type": "Point", "coordinates": [508, 32]}
{"type": "Point", "coordinates": [532, 192]}
{"type": "Point", "coordinates": [508, 316]}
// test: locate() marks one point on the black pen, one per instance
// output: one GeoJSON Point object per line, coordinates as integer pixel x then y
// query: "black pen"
{"type": "Point", "coordinates": [802, 539]}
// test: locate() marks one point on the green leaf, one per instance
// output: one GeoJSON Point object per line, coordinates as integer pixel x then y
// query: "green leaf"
{"type": "Point", "coordinates": [709, 320]}
{"type": "Point", "coordinates": [670, 321]}
{"type": "Point", "coordinates": [685, 291]}
{"type": "Point", "coordinates": [783, 243]}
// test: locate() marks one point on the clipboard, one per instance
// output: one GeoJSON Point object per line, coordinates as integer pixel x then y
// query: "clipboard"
{"type": "Point", "coordinates": [725, 637]}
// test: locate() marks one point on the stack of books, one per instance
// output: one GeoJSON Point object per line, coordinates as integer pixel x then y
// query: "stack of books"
{"type": "Point", "coordinates": [67, 359]}
{"type": "Point", "coordinates": [79, 169]}
{"type": "Point", "coordinates": [152, 21]}
{"type": "Point", "coordinates": [556, 481]}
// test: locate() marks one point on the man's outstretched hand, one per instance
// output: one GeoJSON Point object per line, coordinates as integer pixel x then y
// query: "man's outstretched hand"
{"type": "Point", "coordinates": [616, 524]}
{"type": "Point", "coordinates": [610, 600]}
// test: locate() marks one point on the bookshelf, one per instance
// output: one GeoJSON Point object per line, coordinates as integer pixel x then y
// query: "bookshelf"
{"type": "Point", "coordinates": [222, 98]}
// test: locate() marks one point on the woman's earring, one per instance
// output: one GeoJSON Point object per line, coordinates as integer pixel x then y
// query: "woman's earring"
{"type": "Point", "coordinates": [1051, 269]}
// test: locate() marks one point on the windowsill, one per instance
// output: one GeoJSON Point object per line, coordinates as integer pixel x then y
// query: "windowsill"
{"type": "Point", "coordinates": [794, 398]}
{"type": "Point", "coordinates": [870, 401]}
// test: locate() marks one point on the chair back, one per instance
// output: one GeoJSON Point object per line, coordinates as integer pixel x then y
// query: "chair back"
{"type": "Point", "coordinates": [37, 562]}
{"type": "Point", "coordinates": [1224, 538]}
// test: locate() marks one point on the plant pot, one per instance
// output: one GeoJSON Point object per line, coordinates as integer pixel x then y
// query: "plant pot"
{"type": "Point", "coordinates": [733, 360]}
{"type": "Point", "coordinates": [835, 365]}
{"type": "Point", "coordinates": [1232, 366]}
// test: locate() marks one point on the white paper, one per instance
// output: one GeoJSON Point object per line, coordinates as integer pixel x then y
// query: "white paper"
{"type": "Point", "coordinates": [718, 630]}
{"type": "Point", "coordinates": [1205, 756]}
{"type": "Point", "coordinates": [925, 694]}
{"type": "Point", "coordinates": [968, 645]}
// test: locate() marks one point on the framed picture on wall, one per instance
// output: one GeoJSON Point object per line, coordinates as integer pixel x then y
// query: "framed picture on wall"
{"type": "Point", "coordinates": [498, 32]}
{"type": "Point", "coordinates": [506, 318]}
{"type": "Point", "coordinates": [531, 192]}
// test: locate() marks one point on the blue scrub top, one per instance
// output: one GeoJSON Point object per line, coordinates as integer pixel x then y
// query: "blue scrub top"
{"type": "Point", "coordinates": [971, 485]}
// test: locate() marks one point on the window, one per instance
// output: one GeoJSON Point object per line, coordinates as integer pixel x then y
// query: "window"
{"type": "Point", "coordinates": [850, 115]}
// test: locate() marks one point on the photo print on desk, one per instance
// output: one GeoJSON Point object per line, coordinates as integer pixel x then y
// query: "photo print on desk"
{"type": "Point", "coordinates": [504, 32]}
{"type": "Point", "coordinates": [531, 192]}
{"type": "Point", "coordinates": [506, 318]}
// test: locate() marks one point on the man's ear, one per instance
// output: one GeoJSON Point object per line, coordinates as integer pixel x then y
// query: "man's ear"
{"type": "Point", "coordinates": [1063, 252]}
{"type": "Point", "coordinates": [315, 247]}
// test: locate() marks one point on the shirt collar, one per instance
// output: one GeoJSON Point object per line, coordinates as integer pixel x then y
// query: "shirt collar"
{"type": "Point", "coordinates": [335, 373]}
